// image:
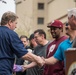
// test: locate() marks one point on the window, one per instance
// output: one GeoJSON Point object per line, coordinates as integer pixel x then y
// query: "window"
{"type": "Point", "coordinates": [40, 20]}
{"type": "Point", "coordinates": [40, 5]}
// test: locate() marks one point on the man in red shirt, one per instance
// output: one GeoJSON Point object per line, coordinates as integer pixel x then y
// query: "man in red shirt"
{"type": "Point", "coordinates": [56, 30]}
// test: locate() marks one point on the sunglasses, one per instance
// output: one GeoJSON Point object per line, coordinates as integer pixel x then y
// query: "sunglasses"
{"type": "Point", "coordinates": [66, 24]}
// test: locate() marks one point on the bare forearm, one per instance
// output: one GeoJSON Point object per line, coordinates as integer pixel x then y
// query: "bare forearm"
{"type": "Point", "coordinates": [51, 61]}
{"type": "Point", "coordinates": [31, 65]}
{"type": "Point", "coordinates": [31, 57]}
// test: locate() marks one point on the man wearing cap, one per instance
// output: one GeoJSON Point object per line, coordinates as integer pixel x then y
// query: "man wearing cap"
{"type": "Point", "coordinates": [56, 30]}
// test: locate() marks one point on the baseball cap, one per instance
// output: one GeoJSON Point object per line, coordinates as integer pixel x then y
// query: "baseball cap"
{"type": "Point", "coordinates": [55, 23]}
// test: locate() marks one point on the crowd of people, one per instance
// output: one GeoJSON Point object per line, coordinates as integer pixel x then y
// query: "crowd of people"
{"type": "Point", "coordinates": [35, 55]}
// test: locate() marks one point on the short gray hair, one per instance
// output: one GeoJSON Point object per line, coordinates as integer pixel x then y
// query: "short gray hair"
{"type": "Point", "coordinates": [72, 12]}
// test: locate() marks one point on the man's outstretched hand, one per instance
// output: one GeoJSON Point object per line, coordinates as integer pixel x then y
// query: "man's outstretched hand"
{"type": "Point", "coordinates": [40, 61]}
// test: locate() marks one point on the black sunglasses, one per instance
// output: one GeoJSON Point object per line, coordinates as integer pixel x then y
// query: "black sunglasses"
{"type": "Point", "coordinates": [66, 24]}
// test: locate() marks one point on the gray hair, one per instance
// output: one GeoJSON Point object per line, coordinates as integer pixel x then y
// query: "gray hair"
{"type": "Point", "coordinates": [72, 12]}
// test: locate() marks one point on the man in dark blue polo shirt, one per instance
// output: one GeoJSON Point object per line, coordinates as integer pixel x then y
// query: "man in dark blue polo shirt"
{"type": "Point", "coordinates": [11, 45]}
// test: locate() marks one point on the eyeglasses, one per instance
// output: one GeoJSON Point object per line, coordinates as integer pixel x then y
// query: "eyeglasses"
{"type": "Point", "coordinates": [66, 24]}
{"type": "Point", "coordinates": [66, 28]}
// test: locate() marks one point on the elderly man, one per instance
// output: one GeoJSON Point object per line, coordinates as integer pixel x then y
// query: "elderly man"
{"type": "Point", "coordinates": [72, 22]}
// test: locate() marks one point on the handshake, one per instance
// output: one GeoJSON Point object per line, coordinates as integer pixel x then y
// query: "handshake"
{"type": "Point", "coordinates": [40, 61]}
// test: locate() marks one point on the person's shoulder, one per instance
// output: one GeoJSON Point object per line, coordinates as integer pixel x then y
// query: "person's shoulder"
{"type": "Point", "coordinates": [49, 42]}
{"type": "Point", "coordinates": [65, 36]}
{"type": "Point", "coordinates": [5, 29]}
{"type": "Point", "coordinates": [65, 41]}
{"type": "Point", "coordinates": [37, 46]}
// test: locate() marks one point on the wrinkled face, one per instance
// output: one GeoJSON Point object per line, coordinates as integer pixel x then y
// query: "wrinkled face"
{"type": "Point", "coordinates": [38, 38]}
{"type": "Point", "coordinates": [72, 22]}
{"type": "Point", "coordinates": [25, 41]}
{"type": "Point", "coordinates": [55, 32]}
{"type": "Point", "coordinates": [12, 25]}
